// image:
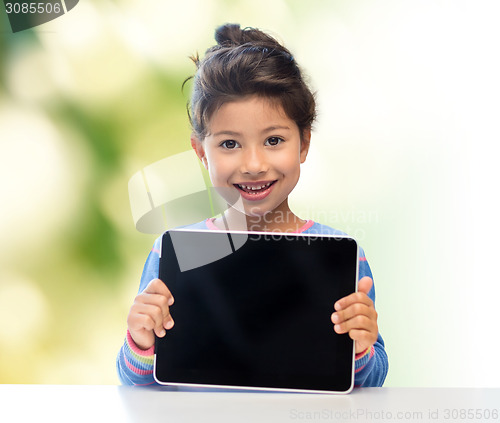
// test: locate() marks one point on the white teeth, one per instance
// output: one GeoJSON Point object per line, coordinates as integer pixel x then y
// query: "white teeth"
{"type": "Point", "coordinates": [254, 188]}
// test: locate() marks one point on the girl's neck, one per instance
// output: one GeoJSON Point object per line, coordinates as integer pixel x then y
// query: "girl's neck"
{"type": "Point", "coordinates": [274, 221]}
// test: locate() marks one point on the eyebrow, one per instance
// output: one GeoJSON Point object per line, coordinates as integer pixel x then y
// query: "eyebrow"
{"type": "Point", "coordinates": [235, 133]}
{"type": "Point", "coordinates": [230, 133]}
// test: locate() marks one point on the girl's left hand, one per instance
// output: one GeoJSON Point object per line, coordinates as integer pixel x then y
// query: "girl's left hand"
{"type": "Point", "coordinates": [356, 315]}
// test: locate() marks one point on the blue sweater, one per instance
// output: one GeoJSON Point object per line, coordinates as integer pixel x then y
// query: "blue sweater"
{"type": "Point", "coordinates": [135, 366]}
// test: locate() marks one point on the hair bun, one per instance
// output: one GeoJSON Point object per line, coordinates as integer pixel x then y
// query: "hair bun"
{"type": "Point", "coordinates": [232, 35]}
{"type": "Point", "coordinates": [229, 34]}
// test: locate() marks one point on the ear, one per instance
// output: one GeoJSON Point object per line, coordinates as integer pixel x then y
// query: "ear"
{"type": "Point", "coordinates": [304, 144]}
{"type": "Point", "coordinates": [199, 150]}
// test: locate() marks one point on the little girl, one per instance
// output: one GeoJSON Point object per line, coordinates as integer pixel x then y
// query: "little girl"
{"type": "Point", "coordinates": [251, 113]}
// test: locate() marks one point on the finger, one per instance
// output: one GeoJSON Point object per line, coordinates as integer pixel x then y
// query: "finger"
{"type": "Point", "coordinates": [352, 311]}
{"type": "Point", "coordinates": [153, 299]}
{"type": "Point", "coordinates": [151, 316]}
{"type": "Point", "coordinates": [157, 286]}
{"type": "Point", "coordinates": [356, 297]}
{"type": "Point", "coordinates": [359, 323]}
{"type": "Point", "coordinates": [365, 285]}
{"type": "Point", "coordinates": [139, 321]}
{"type": "Point", "coordinates": [161, 302]}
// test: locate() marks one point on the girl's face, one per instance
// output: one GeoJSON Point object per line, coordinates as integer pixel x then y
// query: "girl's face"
{"type": "Point", "coordinates": [255, 150]}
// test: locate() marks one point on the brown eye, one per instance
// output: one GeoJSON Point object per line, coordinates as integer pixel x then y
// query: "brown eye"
{"type": "Point", "coordinates": [273, 141]}
{"type": "Point", "coordinates": [229, 144]}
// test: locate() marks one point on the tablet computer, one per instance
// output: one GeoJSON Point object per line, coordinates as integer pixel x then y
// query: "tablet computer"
{"type": "Point", "coordinates": [252, 310]}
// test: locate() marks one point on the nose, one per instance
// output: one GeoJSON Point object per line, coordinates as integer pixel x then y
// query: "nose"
{"type": "Point", "coordinates": [254, 161]}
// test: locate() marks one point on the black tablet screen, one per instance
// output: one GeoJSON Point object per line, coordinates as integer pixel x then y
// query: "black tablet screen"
{"type": "Point", "coordinates": [253, 310]}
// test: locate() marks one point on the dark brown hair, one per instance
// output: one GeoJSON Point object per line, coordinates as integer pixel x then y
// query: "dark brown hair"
{"type": "Point", "coordinates": [248, 62]}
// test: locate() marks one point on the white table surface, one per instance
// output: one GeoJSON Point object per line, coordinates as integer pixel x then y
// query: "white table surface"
{"type": "Point", "coordinates": [107, 403]}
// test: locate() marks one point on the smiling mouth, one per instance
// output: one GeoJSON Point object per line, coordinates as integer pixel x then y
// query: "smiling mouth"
{"type": "Point", "coordinates": [254, 188]}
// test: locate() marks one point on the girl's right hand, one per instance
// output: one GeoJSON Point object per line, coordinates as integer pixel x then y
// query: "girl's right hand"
{"type": "Point", "coordinates": [150, 314]}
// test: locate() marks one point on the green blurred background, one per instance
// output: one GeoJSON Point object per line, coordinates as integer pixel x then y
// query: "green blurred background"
{"type": "Point", "coordinates": [403, 157]}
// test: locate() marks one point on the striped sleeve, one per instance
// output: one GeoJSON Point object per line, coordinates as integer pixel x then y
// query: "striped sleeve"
{"type": "Point", "coordinates": [363, 358]}
{"type": "Point", "coordinates": [135, 366]}
{"type": "Point", "coordinates": [371, 366]}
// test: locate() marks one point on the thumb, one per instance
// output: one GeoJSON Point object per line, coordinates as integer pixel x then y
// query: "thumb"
{"type": "Point", "coordinates": [365, 284]}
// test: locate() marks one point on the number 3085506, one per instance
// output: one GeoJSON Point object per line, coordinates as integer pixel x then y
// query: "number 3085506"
{"type": "Point", "coordinates": [33, 8]}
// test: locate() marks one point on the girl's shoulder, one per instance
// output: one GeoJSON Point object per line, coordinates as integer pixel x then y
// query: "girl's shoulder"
{"type": "Point", "coordinates": [195, 226]}
{"type": "Point", "coordinates": [318, 228]}
{"type": "Point", "coordinates": [203, 226]}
